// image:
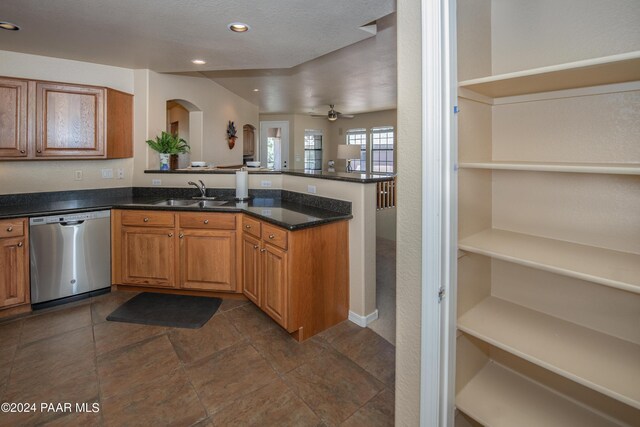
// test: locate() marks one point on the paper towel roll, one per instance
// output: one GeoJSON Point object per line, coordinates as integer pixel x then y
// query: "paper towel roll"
{"type": "Point", "coordinates": [242, 185]}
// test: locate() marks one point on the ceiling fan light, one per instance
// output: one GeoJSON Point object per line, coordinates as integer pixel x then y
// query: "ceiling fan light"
{"type": "Point", "coordinates": [9, 26]}
{"type": "Point", "coordinates": [332, 116]}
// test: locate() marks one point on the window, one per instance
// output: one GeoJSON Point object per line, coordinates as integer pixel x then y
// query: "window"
{"type": "Point", "coordinates": [312, 149]}
{"type": "Point", "coordinates": [382, 149]}
{"type": "Point", "coordinates": [359, 137]}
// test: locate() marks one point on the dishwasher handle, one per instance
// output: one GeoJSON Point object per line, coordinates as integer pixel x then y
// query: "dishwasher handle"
{"type": "Point", "coordinates": [70, 223]}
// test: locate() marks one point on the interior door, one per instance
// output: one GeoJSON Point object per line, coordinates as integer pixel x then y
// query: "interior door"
{"type": "Point", "coordinates": [274, 145]}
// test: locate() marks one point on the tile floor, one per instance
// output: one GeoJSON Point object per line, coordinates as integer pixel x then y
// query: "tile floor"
{"type": "Point", "coordinates": [238, 369]}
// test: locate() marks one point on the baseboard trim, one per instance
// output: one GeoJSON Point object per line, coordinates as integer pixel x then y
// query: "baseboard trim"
{"type": "Point", "coordinates": [363, 321]}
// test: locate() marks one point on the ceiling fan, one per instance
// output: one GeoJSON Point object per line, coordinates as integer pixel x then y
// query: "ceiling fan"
{"type": "Point", "coordinates": [333, 115]}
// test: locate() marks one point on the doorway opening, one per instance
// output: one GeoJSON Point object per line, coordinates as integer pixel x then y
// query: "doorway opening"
{"type": "Point", "coordinates": [274, 145]}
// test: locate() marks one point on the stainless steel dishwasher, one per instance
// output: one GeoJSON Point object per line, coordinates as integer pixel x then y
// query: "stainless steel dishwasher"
{"type": "Point", "coordinates": [70, 256]}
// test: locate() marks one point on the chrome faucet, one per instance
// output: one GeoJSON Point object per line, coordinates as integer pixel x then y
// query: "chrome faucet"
{"type": "Point", "coordinates": [201, 187]}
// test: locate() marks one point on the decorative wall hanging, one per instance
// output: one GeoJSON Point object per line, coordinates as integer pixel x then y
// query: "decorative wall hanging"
{"type": "Point", "coordinates": [231, 134]}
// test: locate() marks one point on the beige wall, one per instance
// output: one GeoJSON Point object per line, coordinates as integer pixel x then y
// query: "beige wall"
{"type": "Point", "coordinates": [409, 242]}
{"type": "Point", "coordinates": [57, 175]}
{"type": "Point", "coordinates": [573, 30]}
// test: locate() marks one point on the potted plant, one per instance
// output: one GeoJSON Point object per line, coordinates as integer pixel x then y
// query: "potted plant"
{"type": "Point", "coordinates": [231, 134]}
{"type": "Point", "coordinates": [168, 146]}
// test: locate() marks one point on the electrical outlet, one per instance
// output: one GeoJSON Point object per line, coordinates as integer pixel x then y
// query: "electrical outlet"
{"type": "Point", "coordinates": [120, 173]}
{"type": "Point", "coordinates": [265, 183]}
{"type": "Point", "coordinates": [312, 189]}
{"type": "Point", "coordinates": [77, 175]}
{"type": "Point", "coordinates": [156, 182]}
{"type": "Point", "coordinates": [107, 173]}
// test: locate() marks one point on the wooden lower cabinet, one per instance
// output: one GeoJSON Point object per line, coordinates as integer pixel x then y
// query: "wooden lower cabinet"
{"type": "Point", "coordinates": [274, 283]}
{"type": "Point", "coordinates": [14, 263]}
{"type": "Point", "coordinates": [208, 260]}
{"type": "Point", "coordinates": [148, 256]}
{"type": "Point", "coordinates": [299, 278]}
{"type": "Point", "coordinates": [251, 268]}
{"type": "Point", "coordinates": [179, 250]}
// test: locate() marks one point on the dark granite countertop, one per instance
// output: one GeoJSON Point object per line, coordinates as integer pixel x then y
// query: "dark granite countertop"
{"type": "Point", "coordinates": [363, 178]}
{"type": "Point", "coordinates": [289, 212]}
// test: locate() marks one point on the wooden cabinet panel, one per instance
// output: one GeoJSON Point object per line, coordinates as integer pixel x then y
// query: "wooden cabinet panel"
{"type": "Point", "coordinates": [248, 140]}
{"type": "Point", "coordinates": [13, 118]}
{"type": "Point", "coordinates": [14, 268]}
{"type": "Point", "coordinates": [147, 218]}
{"type": "Point", "coordinates": [251, 267]}
{"type": "Point", "coordinates": [275, 236]}
{"type": "Point", "coordinates": [70, 120]}
{"type": "Point", "coordinates": [274, 279]}
{"type": "Point", "coordinates": [148, 256]}
{"type": "Point", "coordinates": [251, 226]}
{"type": "Point", "coordinates": [119, 124]}
{"type": "Point", "coordinates": [219, 221]}
{"type": "Point", "coordinates": [207, 260]}
{"type": "Point", "coordinates": [12, 228]}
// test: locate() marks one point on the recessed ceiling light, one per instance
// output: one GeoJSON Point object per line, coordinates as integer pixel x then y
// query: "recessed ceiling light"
{"type": "Point", "coordinates": [198, 61]}
{"type": "Point", "coordinates": [256, 90]}
{"type": "Point", "coordinates": [9, 26]}
{"type": "Point", "coordinates": [238, 27]}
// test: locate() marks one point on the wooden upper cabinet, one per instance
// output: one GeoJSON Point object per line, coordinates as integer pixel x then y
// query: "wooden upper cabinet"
{"type": "Point", "coordinates": [13, 118]}
{"type": "Point", "coordinates": [69, 120]}
{"type": "Point", "coordinates": [48, 120]}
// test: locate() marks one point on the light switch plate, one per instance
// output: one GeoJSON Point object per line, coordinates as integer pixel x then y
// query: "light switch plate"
{"type": "Point", "coordinates": [107, 173]}
{"type": "Point", "coordinates": [312, 189]}
{"type": "Point", "coordinates": [156, 182]}
{"type": "Point", "coordinates": [77, 175]}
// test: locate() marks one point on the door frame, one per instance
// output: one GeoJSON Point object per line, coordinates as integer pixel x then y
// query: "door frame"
{"type": "Point", "coordinates": [284, 146]}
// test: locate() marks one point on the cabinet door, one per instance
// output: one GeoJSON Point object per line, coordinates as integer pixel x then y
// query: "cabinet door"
{"type": "Point", "coordinates": [13, 271]}
{"type": "Point", "coordinates": [13, 118]}
{"type": "Point", "coordinates": [148, 256]}
{"type": "Point", "coordinates": [251, 268]}
{"type": "Point", "coordinates": [208, 259]}
{"type": "Point", "coordinates": [274, 284]}
{"type": "Point", "coordinates": [70, 120]}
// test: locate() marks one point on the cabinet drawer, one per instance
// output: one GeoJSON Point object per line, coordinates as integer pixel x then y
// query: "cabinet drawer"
{"type": "Point", "coordinates": [275, 236]}
{"type": "Point", "coordinates": [251, 226]}
{"type": "Point", "coordinates": [219, 221]}
{"type": "Point", "coordinates": [11, 228]}
{"type": "Point", "coordinates": [147, 218]}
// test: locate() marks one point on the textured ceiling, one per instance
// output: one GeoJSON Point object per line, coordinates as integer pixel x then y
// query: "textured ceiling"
{"type": "Point", "coordinates": [302, 55]}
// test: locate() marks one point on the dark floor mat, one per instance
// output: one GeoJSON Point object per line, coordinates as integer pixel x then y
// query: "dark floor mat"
{"type": "Point", "coordinates": [176, 311]}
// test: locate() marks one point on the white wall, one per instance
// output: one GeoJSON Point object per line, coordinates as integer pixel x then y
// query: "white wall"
{"type": "Point", "coordinates": [528, 34]}
{"type": "Point", "coordinates": [409, 234]}
{"type": "Point", "coordinates": [57, 175]}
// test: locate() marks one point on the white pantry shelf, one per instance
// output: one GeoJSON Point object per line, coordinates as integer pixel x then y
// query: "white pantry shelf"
{"type": "Point", "coordinates": [607, 267]}
{"type": "Point", "coordinates": [619, 68]}
{"type": "Point", "coordinates": [498, 397]}
{"type": "Point", "coordinates": [595, 168]}
{"type": "Point", "coordinates": [599, 361]}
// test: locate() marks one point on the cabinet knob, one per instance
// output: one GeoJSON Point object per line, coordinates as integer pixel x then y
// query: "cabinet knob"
{"type": "Point", "coordinates": [170, 234]}
{"type": "Point", "coordinates": [255, 246]}
{"type": "Point", "coordinates": [206, 221]}
{"type": "Point", "coordinates": [181, 235]}
{"type": "Point", "coordinates": [263, 250]}
{"type": "Point", "coordinates": [19, 244]}
{"type": "Point", "coordinates": [146, 220]}
{"type": "Point", "coordinates": [10, 228]}
{"type": "Point", "coordinates": [22, 151]}
{"type": "Point", "coordinates": [272, 236]}
{"type": "Point", "coordinates": [247, 226]}
{"type": "Point", "coordinates": [38, 151]}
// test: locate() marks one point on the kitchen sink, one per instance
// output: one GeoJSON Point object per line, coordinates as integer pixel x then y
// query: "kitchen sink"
{"type": "Point", "coordinates": [211, 203]}
{"type": "Point", "coordinates": [176, 202]}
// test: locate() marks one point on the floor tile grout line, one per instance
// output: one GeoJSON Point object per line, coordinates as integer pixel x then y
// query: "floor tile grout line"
{"type": "Point", "coordinates": [95, 361]}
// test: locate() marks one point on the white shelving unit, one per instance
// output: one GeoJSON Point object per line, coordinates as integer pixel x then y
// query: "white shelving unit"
{"type": "Point", "coordinates": [591, 72]}
{"type": "Point", "coordinates": [601, 168]}
{"type": "Point", "coordinates": [616, 269]}
{"type": "Point", "coordinates": [565, 348]}
{"type": "Point", "coordinates": [499, 397]}
{"type": "Point", "coordinates": [547, 155]}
